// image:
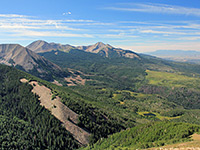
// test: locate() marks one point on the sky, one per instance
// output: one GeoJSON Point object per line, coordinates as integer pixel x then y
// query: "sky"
{"type": "Point", "coordinates": [138, 25]}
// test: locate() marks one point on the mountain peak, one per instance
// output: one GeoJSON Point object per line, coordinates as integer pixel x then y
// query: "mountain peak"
{"type": "Point", "coordinates": [100, 44]}
{"type": "Point", "coordinates": [43, 46]}
{"type": "Point", "coordinates": [40, 42]}
{"type": "Point", "coordinates": [36, 45]}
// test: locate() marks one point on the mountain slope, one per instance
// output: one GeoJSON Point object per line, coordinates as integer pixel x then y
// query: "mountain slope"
{"type": "Point", "coordinates": [108, 51]}
{"type": "Point", "coordinates": [24, 59]}
{"type": "Point", "coordinates": [42, 46]}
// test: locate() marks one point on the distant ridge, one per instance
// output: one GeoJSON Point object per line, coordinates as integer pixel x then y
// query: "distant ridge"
{"type": "Point", "coordinates": [178, 55]}
{"type": "Point", "coordinates": [100, 48]}
{"type": "Point", "coordinates": [25, 59]}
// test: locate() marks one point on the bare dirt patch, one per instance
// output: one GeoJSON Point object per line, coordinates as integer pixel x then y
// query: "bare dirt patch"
{"type": "Point", "coordinates": [23, 80]}
{"type": "Point", "coordinates": [73, 81]}
{"type": "Point", "coordinates": [76, 79]}
{"type": "Point", "coordinates": [73, 70]}
{"type": "Point", "coordinates": [57, 83]}
{"type": "Point", "coordinates": [68, 117]}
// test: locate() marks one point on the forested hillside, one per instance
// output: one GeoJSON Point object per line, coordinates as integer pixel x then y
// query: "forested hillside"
{"type": "Point", "coordinates": [23, 109]}
{"type": "Point", "coordinates": [24, 123]}
{"type": "Point", "coordinates": [119, 73]}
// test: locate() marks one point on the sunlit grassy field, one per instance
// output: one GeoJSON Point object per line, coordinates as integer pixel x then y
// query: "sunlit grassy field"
{"type": "Point", "coordinates": [172, 79]}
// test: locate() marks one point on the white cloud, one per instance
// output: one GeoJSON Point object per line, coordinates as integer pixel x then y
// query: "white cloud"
{"type": "Point", "coordinates": [12, 15]}
{"type": "Point", "coordinates": [16, 26]}
{"type": "Point", "coordinates": [186, 28]}
{"type": "Point", "coordinates": [192, 38]}
{"type": "Point", "coordinates": [23, 22]}
{"type": "Point", "coordinates": [93, 24]}
{"type": "Point", "coordinates": [24, 26]}
{"type": "Point", "coordinates": [120, 35]}
{"type": "Point", "coordinates": [158, 8]}
{"type": "Point", "coordinates": [48, 34]}
{"type": "Point", "coordinates": [80, 20]}
{"type": "Point", "coordinates": [161, 32]}
{"type": "Point", "coordinates": [148, 47]}
{"type": "Point", "coordinates": [67, 13]}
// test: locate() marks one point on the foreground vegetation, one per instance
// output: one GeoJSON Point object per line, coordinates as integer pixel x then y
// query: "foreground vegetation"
{"type": "Point", "coordinates": [149, 135]}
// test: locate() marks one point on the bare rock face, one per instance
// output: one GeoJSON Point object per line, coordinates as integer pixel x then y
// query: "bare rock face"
{"type": "Point", "coordinates": [42, 46]}
{"type": "Point", "coordinates": [25, 59]}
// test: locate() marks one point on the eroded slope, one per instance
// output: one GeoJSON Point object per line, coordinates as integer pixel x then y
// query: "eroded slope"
{"type": "Point", "coordinates": [60, 111]}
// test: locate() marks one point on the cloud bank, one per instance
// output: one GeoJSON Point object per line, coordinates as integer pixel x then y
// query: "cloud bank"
{"type": "Point", "coordinates": [158, 8]}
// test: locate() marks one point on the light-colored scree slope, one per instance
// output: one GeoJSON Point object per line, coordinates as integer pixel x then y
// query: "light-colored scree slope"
{"type": "Point", "coordinates": [60, 111]}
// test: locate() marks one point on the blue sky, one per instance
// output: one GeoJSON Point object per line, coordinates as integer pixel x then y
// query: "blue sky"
{"type": "Point", "coordinates": [138, 25]}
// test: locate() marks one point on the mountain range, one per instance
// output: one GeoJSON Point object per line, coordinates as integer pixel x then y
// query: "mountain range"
{"type": "Point", "coordinates": [27, 59]}
{"type": "Point", "coordinates": [98, 48]}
